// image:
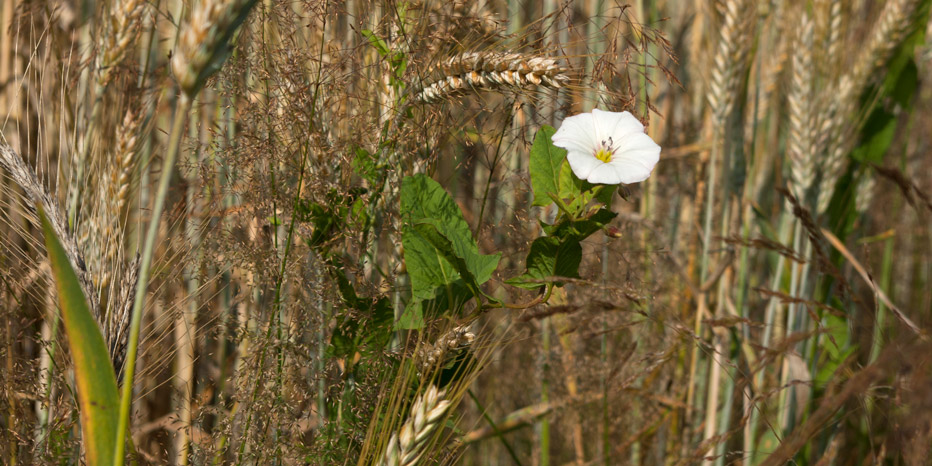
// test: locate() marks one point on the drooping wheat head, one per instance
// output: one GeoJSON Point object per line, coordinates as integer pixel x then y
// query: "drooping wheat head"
{"type": "Point", "coordinates": [25, 177]}
{"type": "Point", "coordinates": [431, 356]}
{"type": "Point", "coordinates": [479, 71]}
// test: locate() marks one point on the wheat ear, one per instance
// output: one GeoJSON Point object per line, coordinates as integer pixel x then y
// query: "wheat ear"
{"type": "Point", "coordinates": [24, 176]}
{"type": "Point", "coordinates": [205, 41]}
{"type": "Point", "coordinates": [124, 19]}
{"type": "Point", "coordinates": [433, 355]}
{"type": "Point", "coordinates": [407, 447]}
{"type": "Point", "coordinates": [891, 28]}
{"type": "Point", "coordinates": [799, 142]}
{"type": "Point", "coordinates": [492, 71]}
{"type": "Point", "coordinates": [729, 58]}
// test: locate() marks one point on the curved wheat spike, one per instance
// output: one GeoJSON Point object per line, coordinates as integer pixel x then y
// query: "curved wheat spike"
{"type": "Point", "coordinates": [434, 355]}
{"type": "Point", "coordinates": [205, 40]}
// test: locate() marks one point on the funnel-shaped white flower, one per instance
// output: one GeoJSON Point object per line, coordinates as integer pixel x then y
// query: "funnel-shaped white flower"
{"type": "Point", "coordinates": [607, 147]}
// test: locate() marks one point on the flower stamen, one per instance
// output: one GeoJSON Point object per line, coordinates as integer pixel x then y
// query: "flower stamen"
{"type": "Point", "coordinates": [605, 151]}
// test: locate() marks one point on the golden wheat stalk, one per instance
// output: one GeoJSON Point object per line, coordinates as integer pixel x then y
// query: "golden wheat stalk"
{"type": "Point", "coordinates": [492, 71]}
{"type": "Point", "coordinates": [407, 447]}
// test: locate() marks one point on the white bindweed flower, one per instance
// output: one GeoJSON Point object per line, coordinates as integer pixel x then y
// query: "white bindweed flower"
{"type": "Point", "coordinates": [607, 147]}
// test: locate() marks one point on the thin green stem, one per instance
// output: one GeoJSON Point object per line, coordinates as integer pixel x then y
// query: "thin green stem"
{"type": "Point", "coordinates": [168, 167]}
{"type": "Point", "coordinates": [498, 433]}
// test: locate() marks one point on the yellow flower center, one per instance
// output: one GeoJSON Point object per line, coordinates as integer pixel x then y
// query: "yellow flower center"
{"type": "Point", "coordinates": [604, 155]}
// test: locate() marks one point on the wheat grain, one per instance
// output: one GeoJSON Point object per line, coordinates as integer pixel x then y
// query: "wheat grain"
{"type": "Point", "coordinates": [493, 71]}
{"type": "Point", "coordinates": [407, 447]}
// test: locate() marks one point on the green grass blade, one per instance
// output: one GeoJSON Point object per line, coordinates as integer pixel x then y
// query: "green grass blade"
{"type": "Point", "coordinates": [93, 373]}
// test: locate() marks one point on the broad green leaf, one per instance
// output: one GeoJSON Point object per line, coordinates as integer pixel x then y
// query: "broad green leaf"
{"type": "Point", "coordinates": [426, 265]}
{"type": "Point", "coordinates": [579, 193]}
{"type": "Point", "coordinates": [93, 373]}
{"type": "Point", "coordinates": [549, 257]}
{"type": "Point", "coordinates": [467, 267]}
{"type": "Point", "coordinates": [545, 165]}
{"type": "Point", "coordinates": [441, 256]}
{"type": "Point", "coordinates": [424, 201]}
{"type": "Point", "coordinates": [453, 296]}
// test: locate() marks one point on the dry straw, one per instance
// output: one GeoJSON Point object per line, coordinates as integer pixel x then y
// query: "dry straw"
{"type": "Point", "coordinates": [407, 447]}
{"type": "Point", "coordinates": [493, 71]}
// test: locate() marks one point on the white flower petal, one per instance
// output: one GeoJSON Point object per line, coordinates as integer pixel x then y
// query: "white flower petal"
{"type": "Point", "coordinates": [606, 174]}
{"type": "Point", "coordinates": [583, 164]}
{"type": "Point", "coordinates": [616, 125]}
{"type": "Point", "coordinates": [627, 172]}
{"type": "Point", "coordinates": [576, 131]}
{"type": "Point", "coordinates": [638, 149]}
